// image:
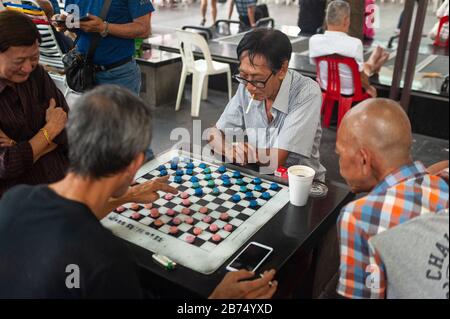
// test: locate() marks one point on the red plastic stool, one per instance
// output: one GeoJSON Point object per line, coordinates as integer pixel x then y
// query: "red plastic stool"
{"type": "Point", "coordinates": [438, 41]}
{"type": "Point", "coordinates": [333, 90]}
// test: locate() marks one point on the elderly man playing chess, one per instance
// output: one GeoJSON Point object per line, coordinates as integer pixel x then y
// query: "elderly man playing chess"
{"type": "Point", "coordinates": [277, 109]}
{"type": "Point", "coordinates": [46, 228]}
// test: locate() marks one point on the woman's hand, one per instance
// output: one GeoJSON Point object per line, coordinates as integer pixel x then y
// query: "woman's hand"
{"type": "Point", "coordinates": [56, 119]}
{"type": "Point", "coordinates": [5, 140]}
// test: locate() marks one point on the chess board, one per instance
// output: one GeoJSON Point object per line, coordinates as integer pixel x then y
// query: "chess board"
{"type": "Point", "coordinates": [207, 251]}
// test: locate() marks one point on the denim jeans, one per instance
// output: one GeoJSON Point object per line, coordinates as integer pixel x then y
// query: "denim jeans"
{"type": "Point", "coordinates": [127, 75]}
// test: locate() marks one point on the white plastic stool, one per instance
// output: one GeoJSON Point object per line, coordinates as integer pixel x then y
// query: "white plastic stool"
{"type": "Point", "coordinates": [200, 69]}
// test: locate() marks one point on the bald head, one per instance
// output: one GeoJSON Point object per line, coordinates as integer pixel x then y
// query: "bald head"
{"type": "Point", "coordinates": [381, 126]}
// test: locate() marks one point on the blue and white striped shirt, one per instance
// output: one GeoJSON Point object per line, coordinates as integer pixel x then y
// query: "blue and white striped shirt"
{"type": "Point", "coordinates": [295, 126]}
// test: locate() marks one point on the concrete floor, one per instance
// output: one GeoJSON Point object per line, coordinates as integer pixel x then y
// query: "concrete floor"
{"type": "Point", "coordinates": [166, 120]}
{"type": "Point", "coordinates": [283, 14]}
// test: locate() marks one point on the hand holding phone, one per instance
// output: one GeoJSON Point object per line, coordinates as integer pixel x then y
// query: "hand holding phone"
{"type": "Point", "coordinates": [59, 22]}
{"type": "Point", "coordinates": [251, 257]}
{"type": "Point", "coordinates": [239, 285]}
{"type": "Point", "coordinates": [85, 18]}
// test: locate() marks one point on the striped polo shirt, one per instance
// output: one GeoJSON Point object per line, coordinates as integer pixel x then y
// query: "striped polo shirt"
{"type": "Point", "coordinates": [295, 126]}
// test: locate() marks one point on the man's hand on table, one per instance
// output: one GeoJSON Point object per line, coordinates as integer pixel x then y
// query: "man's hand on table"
{"type": "Point", "coordinates": [148, 192]}
{"type": "Point", "coordinates": [241, 153]}
{"type": "Point", "coordinates": [235, 286]}
{"type": "Point", "coordinates": [142, 193]}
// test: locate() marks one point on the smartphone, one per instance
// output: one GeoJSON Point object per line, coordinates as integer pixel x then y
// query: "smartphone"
{"type": "Point", "coordinates": [85, 18]}
{"type": "Point", "coordinates": [251, 257]}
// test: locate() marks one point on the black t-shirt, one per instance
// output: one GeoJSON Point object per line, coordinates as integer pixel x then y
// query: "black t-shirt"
{"type": "Point", "coordinates": [45, 239]}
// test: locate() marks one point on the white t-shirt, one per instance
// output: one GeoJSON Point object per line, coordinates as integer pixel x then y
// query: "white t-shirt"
{"type": "Point", "coordinates": [443, 9]}
{"type": "Point", "coordinates": [333, 42]}
{"type": "Point", "coordinates": [441, 12]}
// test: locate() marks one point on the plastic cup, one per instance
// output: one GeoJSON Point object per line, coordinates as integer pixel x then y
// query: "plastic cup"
{"type": "Point", "coordinates": [300, 181]}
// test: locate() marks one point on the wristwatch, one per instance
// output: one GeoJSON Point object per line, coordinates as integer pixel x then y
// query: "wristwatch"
{"type": "Point", "coordinates": [105, 32]}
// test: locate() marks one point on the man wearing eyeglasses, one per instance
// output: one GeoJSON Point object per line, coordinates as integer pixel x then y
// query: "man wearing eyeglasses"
{"type": "Point", "coordinates": [275, 109]}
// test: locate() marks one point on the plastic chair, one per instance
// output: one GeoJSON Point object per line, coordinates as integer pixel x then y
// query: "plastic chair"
{"type": "Point", "coordinates": [265, 23]}
{"type": "Point", "coordinates": [439, 41]}
{"type": "Point", "coordinates": [200, 69]}
{"type": "Point", "coordinates": [332, 93]}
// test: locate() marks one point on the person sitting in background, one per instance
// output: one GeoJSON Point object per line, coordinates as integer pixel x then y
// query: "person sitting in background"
{"type": "Point", "coordinates": [65, 43]}
{"type": "Point", "coordinates": [276, 108]}
{"type": "Point", "coordinates": [337, 41]}
{"type": "Point", "coordinates": [443, 11]}
{"type": "Point", "coordinates": [44, 229]}
{"type": "Point", "coordinates": [374, 148]}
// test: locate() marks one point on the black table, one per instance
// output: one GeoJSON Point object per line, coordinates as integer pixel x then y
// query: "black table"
{"type": "Point", "coordinates": [224, 50]}
{"type": "Point", "coordinates": [292, 232]}
{"type": "Point", "coordinates": [428, 109]}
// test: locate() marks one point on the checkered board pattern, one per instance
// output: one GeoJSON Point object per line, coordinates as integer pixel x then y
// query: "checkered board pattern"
{"type": "Point", "coordinates": [204, 254]}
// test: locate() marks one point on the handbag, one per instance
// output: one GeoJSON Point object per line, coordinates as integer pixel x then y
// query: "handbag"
{"type": "Point", "coordinates": [79, 68]}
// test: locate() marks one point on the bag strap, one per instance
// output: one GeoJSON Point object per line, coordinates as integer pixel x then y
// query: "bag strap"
{"type": "Point", "coordinates": [96, 37]}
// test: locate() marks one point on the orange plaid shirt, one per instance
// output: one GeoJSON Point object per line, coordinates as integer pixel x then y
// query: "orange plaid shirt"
{"type": "Point", "coordinates": [406, 193]}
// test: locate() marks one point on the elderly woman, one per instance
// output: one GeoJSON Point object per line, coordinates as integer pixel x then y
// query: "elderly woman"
{"type": "Point", "coordinates": [33, 112]}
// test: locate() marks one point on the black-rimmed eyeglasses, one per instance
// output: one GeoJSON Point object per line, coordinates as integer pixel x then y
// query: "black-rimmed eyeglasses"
{"type": "Point", "coordinates": [255, 83]}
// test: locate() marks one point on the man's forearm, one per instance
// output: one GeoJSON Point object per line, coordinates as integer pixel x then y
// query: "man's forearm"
{"type": "Point", "coordinates": [272, 157]}
{"type": "Point", "coordinates": [217, 140]}
{"type": "Point", "coordinates": [365, 81]}
{"type": "Point", "coordinates": [113, 203]}
{"type": "Point", "coordinates": [131, 30]}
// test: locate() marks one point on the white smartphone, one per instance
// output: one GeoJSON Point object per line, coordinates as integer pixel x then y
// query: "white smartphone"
{"type": "Point", "coordinates": [251, 257]}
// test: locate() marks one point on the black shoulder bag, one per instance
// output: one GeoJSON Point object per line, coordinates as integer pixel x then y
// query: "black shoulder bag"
{"type": "Point", "coordinates": [79, 68]}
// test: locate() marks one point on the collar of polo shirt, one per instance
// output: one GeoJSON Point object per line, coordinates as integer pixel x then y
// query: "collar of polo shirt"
{"type": "Point", "coordinates": [281, 102]}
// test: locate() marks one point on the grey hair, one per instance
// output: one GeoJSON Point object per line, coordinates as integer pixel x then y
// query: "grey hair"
{"type": "Point", "coordinates": [107, 128]}
{"type": "Point", "coordinates": [337, 11]}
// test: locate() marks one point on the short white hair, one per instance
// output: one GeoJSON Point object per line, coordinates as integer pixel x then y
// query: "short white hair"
{"type": "Point", "coordinates": [337, 11]}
